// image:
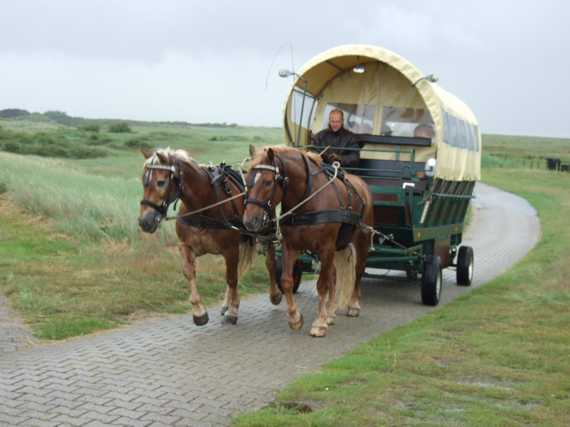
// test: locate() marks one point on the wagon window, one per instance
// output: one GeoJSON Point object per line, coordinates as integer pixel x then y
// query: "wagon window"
{"type": "Point", "coordinates": [297, 105]}
{"type": "Point", "coordinates": [459, 133]}
{"type": "Point", "coordinates": [358, 118]}
{"type": "Point", "coordinates": [403, 121]}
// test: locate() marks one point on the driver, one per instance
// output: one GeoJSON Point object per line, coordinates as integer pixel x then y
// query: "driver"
{"type": "Point", "coordinates": [334, 139]}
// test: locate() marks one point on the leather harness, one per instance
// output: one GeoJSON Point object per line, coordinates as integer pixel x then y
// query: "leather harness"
{"type": "Point", "coordinates": [344, 215]}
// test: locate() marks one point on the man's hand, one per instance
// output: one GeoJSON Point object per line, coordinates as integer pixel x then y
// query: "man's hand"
{"type": "Point", "coordinates": [330, 157]}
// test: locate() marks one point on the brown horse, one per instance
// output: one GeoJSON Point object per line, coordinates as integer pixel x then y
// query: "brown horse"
{"type": "Point", "coordinates": [173, 175]}
{"type": "Point", "coordinates": [336, 220]}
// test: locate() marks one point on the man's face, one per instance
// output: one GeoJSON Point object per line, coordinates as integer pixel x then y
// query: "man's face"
{"type": "Point", "coordinates": [335, 121]}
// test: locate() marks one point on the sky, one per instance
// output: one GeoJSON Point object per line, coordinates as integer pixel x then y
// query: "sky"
{"type": "Point", "coordinates": [217, 61]}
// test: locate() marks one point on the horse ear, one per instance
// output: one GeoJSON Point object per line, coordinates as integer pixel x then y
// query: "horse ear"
{"type": "Point", "coordinates": [162, 157]}
{"type": "Point", "coordinates": [251, 151]}
{"type": "Point", "coordinates": [147, 152]}
{"type": "Point", "coordinates": [270, 154]}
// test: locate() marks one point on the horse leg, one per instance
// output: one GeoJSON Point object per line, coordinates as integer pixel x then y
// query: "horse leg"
{"type": "Point", "coordinates": [275, 294]}
{"type": "Point", "coordinates": [331, 302]}
{"type": "Point", "coordinates": [226, 303]}
{"type": "Point", "coordinates": [326, 280]}
{"type": "Point", "coordinates": [232, 294]}
{"type": "Point", "coordinates": [361, 246]}
{"type": "Point", "coordinates": [199, 313]}
{"type": "Point", "coordinates": [295, 317]}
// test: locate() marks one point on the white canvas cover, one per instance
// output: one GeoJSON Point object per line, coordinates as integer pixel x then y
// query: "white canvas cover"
{"type": "Point", "coordinates": [386, 87]}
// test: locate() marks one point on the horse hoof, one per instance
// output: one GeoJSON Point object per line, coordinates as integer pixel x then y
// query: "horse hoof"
{"type": "Point", "coordinates": [276, 299]}
{"type": "Point", "coordinates": [231, 319]}
{"type": "Point", "coordinates": [330, 320]}
{"type": "Point", "coordinates": [298, 324]}
{"type": "Point", "coordinates": [353, 312]}
{"type": "Point", "coordinates": [201, 320]}
{"type": "Point", "coordinates": [318, 331]}
{"type": "Point", "coordinates": [224, 309]}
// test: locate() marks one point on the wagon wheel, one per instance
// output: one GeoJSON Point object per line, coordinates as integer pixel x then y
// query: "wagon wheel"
{"type": "Point", "coordinates": [465, 266]}
{"type": "Point", "coordinates": [432, 281]}
{"type": "Point", "coordinates": [297, 273]}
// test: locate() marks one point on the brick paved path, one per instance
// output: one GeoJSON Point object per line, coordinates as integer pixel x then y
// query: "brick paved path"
{"type": "Point", "coordinates": [170, 372]}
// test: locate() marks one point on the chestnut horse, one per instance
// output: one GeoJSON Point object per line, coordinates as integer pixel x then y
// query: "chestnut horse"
{"type": "Point", "coordinates": [173, 175]}
{"type": "Point", "coordinates": [333, 223]}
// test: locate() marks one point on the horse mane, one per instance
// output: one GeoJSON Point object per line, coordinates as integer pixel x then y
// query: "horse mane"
{"type": "Point", "coordinates": [314, 157]}
{"type": "Point", "coordinates": [285, 150]}
{"type": "Point", "coordinates": [169, 153]}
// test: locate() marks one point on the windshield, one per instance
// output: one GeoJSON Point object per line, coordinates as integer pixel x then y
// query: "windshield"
{"type": "Point", "coordinates": [358, 118]}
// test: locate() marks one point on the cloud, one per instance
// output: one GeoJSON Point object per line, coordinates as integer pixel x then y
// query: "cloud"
{"type": "Point", "coordinates": [196, 60]}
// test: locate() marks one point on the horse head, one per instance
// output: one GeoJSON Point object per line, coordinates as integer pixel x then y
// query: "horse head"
{"type": "Point", "coordinates": [265, 188]}
{"type": "Point", "coordinates": [161, 183]}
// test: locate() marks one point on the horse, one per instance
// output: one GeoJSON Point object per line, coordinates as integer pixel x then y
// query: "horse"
{"type": "Point", "coordinates": [208, 222]}
{"type": "Point", "coordinates": [327, 213]}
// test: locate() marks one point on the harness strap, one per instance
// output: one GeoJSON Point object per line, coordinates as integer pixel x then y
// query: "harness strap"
{"type": "Point", "coordinates": [322, 217]}
{"type": "Point", "coordinates": [161, 209]}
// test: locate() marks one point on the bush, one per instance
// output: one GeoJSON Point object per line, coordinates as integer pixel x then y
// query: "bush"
{"type": "Point", "coordinates": [90, 128]}
{"type": "Point", "coordinates": [3, 188]}
{"type": "Point", "coordinates": [121, 127]}
{"type": "Point", "coordinates": [10, 113]}
{"type": "Point", "coordinates": [137, 143]}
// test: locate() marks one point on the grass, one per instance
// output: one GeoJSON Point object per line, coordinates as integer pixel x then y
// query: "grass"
{"type": "Point", "coordinates": [72, 258]}
{"type": "Point", "coordinates": [496, 356]}
{"type": "Point", "coordinates": [97, 199]}
{"type": "Point", "coordinates": [64, 287]}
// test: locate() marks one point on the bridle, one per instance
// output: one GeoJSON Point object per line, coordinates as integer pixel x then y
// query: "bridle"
{"type": "Point", "coordinates": [174, 176]}
{"type": "Point", "coordinates": [278, 178]}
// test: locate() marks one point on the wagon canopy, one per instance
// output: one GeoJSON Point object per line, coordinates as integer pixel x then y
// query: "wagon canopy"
{"type": "Point", "coordinates": [388, 98]}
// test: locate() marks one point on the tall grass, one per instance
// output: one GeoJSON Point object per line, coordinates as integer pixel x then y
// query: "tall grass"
{"type": "Point", "coordinates": [84, 206]}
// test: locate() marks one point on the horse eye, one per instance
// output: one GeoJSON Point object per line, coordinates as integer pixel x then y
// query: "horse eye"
{"type": "Point", "coordinates": [160, 183]}
{"type": "Point", "coordinates": [267, 183]}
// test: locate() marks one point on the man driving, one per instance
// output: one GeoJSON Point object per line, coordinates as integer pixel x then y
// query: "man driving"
{"type": "Point", "coordinates": [333, 141]}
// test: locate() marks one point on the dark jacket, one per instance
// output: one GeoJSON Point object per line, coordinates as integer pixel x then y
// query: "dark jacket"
{"type": "Point", "coordinates": [338, 140]}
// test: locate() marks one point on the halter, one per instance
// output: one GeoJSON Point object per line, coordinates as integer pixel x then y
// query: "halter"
{"type": "Point", "coordinates": [162, 208]}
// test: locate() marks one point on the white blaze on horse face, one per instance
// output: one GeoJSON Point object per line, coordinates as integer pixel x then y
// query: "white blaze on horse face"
{"type": "Point", "coordinates": [256, 178]}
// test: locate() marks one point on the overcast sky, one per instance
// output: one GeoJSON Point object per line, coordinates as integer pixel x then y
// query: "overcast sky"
{"type": "Point", "coordinates": [217, 61]}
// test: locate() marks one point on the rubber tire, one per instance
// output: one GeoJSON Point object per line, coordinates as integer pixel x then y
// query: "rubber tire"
{"type": "Point", "coordinates": [432, 281]}
{"type": "Point", "coordinates": [297, 273]}
{"type": "Point", "coordinates": [465, 266]}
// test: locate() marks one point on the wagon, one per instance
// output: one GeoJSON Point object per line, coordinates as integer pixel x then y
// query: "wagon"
{"type": "Point", "coordinates": [420, 154]}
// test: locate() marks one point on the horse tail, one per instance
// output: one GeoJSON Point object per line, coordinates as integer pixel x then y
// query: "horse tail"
{"type": "Point", "coordinates": [345, 263]}
{"type": "Point", "coordinates": [247, 255]}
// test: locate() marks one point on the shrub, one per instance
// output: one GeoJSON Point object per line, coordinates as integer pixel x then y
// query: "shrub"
{"type": "Point", "coordinates": [137, 143]}
{"type": "Point", "coordinates": [121, 127]}
{"type": "Point", "coordinates": [90, 127]}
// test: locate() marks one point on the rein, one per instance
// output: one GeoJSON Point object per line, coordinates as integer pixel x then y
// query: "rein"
{"type": "Point", "coordinates": [169, 218]}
